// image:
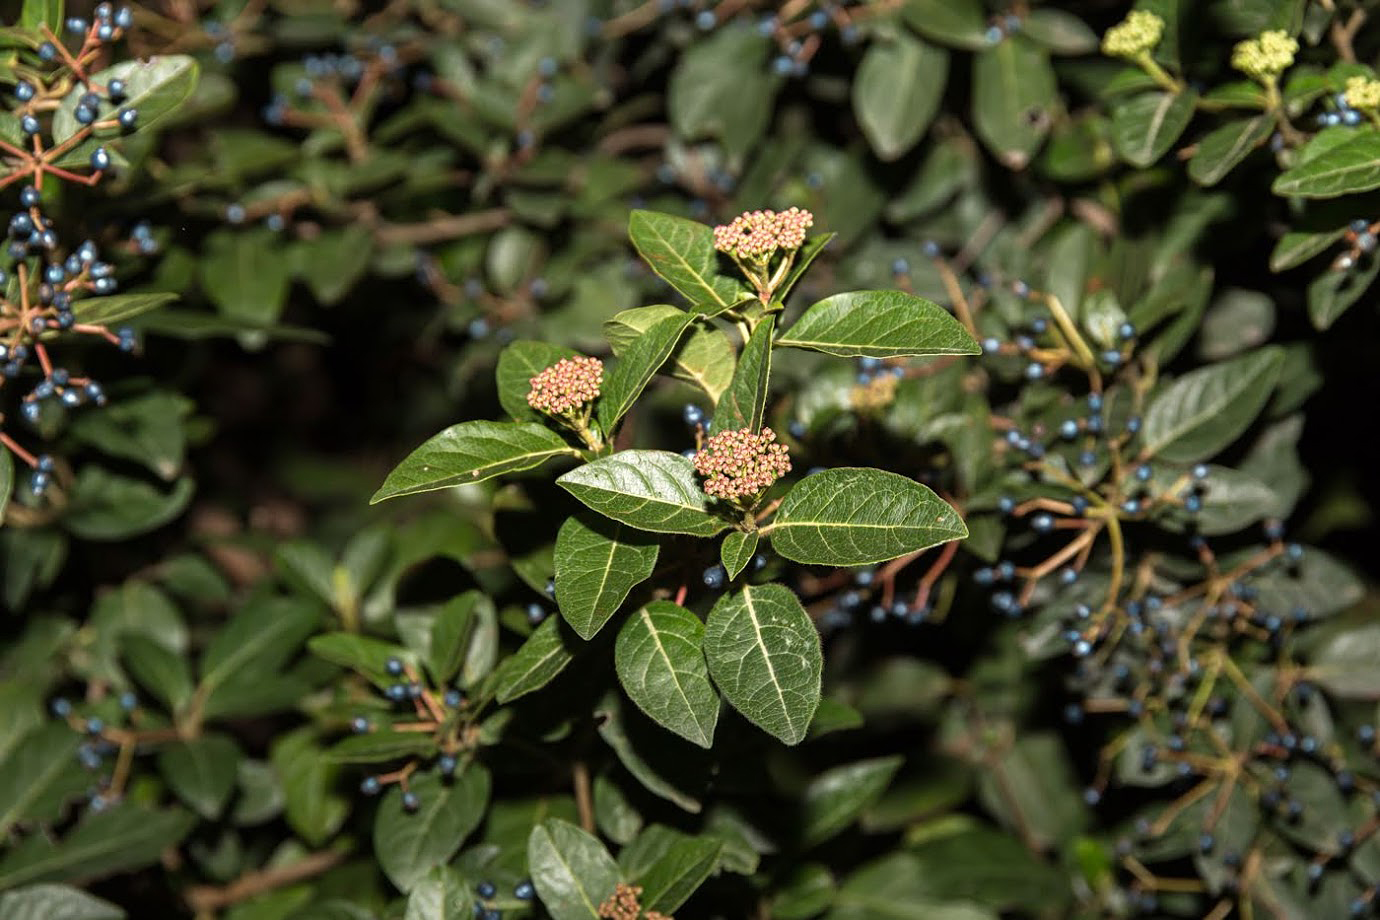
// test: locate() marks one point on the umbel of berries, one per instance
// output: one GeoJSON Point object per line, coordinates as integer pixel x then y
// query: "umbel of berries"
{"type": "Point", "coordinates": [764, 244]}
{"type": "Point", "coordinates": [566, 391]}
{"type": "Point", "coordinates": [738, 466]}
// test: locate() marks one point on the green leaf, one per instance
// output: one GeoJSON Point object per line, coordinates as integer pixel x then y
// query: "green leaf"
{"type": "Point", "coordinates": [957, 23]}
{"type": "Point", "coordinates": [6, 480]}
{"type": "Point", "coordinates": [744, 403]}
{"type": "Point", "coordinates": [1014, 98]}
{"type": "Point", "coordinates": [879, 324]}
{"type": "Point", "coordinates": [314, 804]}
{"type": "Point", "coordinates": [155, 87]}
{"type": "Point", "coordinates": [333, 261]}
{"type": "Point", "coordinates": [647, 489]}
{"type": "Point", "coordinates": [891, 888]}
{"type": "Point", "coordinates": [544, 655]}
{"type": "Point", "coordinates": [246, 274]}
{"type": "Point", "coordinates": [451, 631]}
{"type": "Point", "coordinates": [704, 357]}
{"type": "Point", "coordinates": [1205, 410]}
{"type": "Point", "coordinates": [598, 562]}
{"type": "Point", "coordinates": [720, 88]}
{"type": "Point", "coordinates": [105, 506]}
{"type": "Point", "coordinates": [682, 252]}
{"type": "Point", "coordinates": [39, 777]}
{"type": "Point", "coordinates": [1059, 31]}
{"type": "Point", "coordinates": [896, 92]}
{"type": "Point", "coordinates": [150, 429]}
{"type": "Point", "coordinates": [102, 843]}
{"type": "Point", "coordinates": [258, 640]}
{"type": "Point", "coordinates": [408, 845]}
{"type": "Point", "coordinates": [1298, 246]}
{"type": "Point", "coordinates": [37, 12]}
{"type": "Point", "coordinates": [661, 666]}
{"type": "Point", "coordinates": [1032, 785]}
{"type": "Point", "coordinates": [805, 892]}
{"type": "Point", "coordinates": [380, 747]}
{"type": "Point", "coordinates": [571, 870]}
{"type": "Point", "coordinates": [635, 368]}
{"type": "Point", "coordinates": [683, 866]}
{"type": "Point", "coordinates": [989, 868]}
{"type": "Point", "coordinates": [118, 308]}
{"type": "Point", "coordinates": [764, 653]}
{"type": "Point", "coordinates": [835, 798]}
{"type": "Point", "coordinates": [517, 365]}
{"type": "Point", "coordinates": [1223, 149]}
{"type": "Point", "coordinates": [1318, 584]}
{"type": "Point", "coordinates": [56, 902]}
{"type": "Point", "coordinates": [854, 516]}
{"type": "Point", "coordinates": [441, 894]}
{"type": "Point", "coordinates": [201, 772]}
{"type": "Point", "coordinates": [737, 551]}
{"type": "Point", "coordinates": [1350, 167]}
{"type": "Point", "coordinates": [1144, 127]}
{"type": "Point", "coordinates": [1333, 292]}
{"type": "Point", "coordinates": [365, 654]}
{"type": "Point", "coordinates": [472, 452]}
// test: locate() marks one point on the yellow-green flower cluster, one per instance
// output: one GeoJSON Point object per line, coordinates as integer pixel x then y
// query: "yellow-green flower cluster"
{"type": "Point", "coordinates": [1266, 56]}
{"type": "Point", "coordinates": [1135, 35]}
{"type": "Point", "coordinates": [1363, 93]}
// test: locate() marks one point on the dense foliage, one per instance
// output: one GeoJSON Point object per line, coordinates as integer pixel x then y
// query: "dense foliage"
{"type": "Point", "coordinates": [600, 458]}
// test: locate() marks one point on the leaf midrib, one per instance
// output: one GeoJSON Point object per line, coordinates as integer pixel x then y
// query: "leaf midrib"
{"type": "Point", "coordinates": [671, 668]}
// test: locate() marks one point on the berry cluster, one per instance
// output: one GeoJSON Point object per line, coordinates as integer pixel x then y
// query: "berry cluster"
{"type": "Point", "coordinates": [1136, 35]}
{"type": "Point", "coordinates": [487, 891]}
{"type": "Point", "coordinates": [626, 904]}
{"type": "Point", "coordinates": [876, 386]}
{"type": "Point", "coordinates": [1266, 56]}
{"type": "Point", "coordinates": [1360, 239]}
{"type": "Point", "coordinates": [741, 464]}
{"type": "Point", "coordinates": [758, 235]}
{"type": "Point", "coordinates": [106, 748]}
{"type": "Point", "coordinates": [566, 386]}
{"type": "Point", "coordinates": [439, 713]}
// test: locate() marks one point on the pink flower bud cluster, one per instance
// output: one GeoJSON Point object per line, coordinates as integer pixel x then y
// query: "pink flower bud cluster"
{"type": "Point", "coordinates": [565, 385]}
{"type": "Point", "coordinates": [741, 463]}
{"type": "Point", "coordinates": [757, 234]}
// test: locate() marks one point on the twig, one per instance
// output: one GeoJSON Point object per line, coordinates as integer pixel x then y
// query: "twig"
{"type": "Point", "coordinates": [204, 898]}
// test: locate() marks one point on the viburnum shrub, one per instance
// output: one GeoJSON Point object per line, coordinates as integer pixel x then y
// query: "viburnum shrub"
{"type": "Point", "coordinates": [904, 459]}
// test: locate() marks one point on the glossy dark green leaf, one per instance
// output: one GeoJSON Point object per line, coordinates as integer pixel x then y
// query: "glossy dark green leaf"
{"type": "Point", "coordinates": [635, 368]}
{"type": "Point", "coordinates": [441, 894]}
{"type": "Point", "coordinates": [1144, 127]}
{"type": "Point", "coordinates": [40, 776]}
{"type": "Point", "coordinates": [571, 870]}
{"type": "Point", "coordinates": [517, 365]}
{"type": "Point", "coordinates": [879, 324]}
{"type": "Point", "coordinates": [106, 506]}
{"type": "Point", "coordinates": [684, 864]}
{"type": "Point", "coordinates": [102, 843]}
{"type": "Point", "coordinates": [1333, 292]}
{"type": "Point", "coordinates": [1348, 168]}
{"type": "Point", "coordinates": [201, 771]}
{"type": "Point", "coordinates": [835, 798]}
{"type": "Point", "coordinates": [451, 632]}
{"type": "Point", "coordinates": [380, 746]}
{"type": "Point", "coordinates": [737, 551]}
{"type": "Point", "coordinates": [744, 403]}
{"type": "Point", "coordinates": [150, 429]}
{"type": "Point", "coordinates": [682, 252]}
{"type": "Point", "coordinates": [652, 490]}
{"type": "Point", "coordinates": [56, 902]}
{"type": "Point", "coordinates": [313, 800]}
{"type": "Point", "coordinates": [660, 663]}
{"type": "Point", "coordinates": [1223, 149]}
{"type": "Point", "coordinates": [118, 308]}
{"type": "Point", "coordinates": [806, 892]}
{"type": "Point", "coordinates": [891, 888]}
{"type": "Point", "coordinates": [854, 516]}
{"type": "Point", "coordinates": [764, 654]}
{"type": "Point", "coordinates": [409, 844]}
{"type": "Point", "coordinates": [986, 867]}
{"type": "Point", "coordinates": [1298, 246]}
{"type": "Point", "coordinates": [664, 765]}
{"type": "Point", "coordinates": [364, 654]}
{"type": "Point", "coordinates": [536, 663]}
{"type": "Point", "coordinates": [957, 23]}
{"type": "Point", "coordinates": [1032, 786]}
{"type": "Point", "coordinates": [598, 562]}
{"type": "Point", "coordinates": [896, 92]}
{"type": "Point", "coordinates": [153, 87]}
{"type": "Point", "coordinates": [1059, 31]}
{"type": "Point", "coordinates": [721, 87]}
{"type": "Point", "coordinates": [246, 274]}
{"type": "Point", "coordinates": [1014, 99]}
{"type": "Point", "coordinates": [472, 452]}
{"type": "Point", "coordinates": [704, 357]}
{"type": "Point", "coordinates": [1203, 411]}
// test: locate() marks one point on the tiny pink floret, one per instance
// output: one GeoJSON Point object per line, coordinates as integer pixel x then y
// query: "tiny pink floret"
{"type": "Point", "coordinates": [757, 234]}
{"type": "Point", "coordinates": [565, 385]}
{"type": "Point", "coordinates": [741, 463]}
